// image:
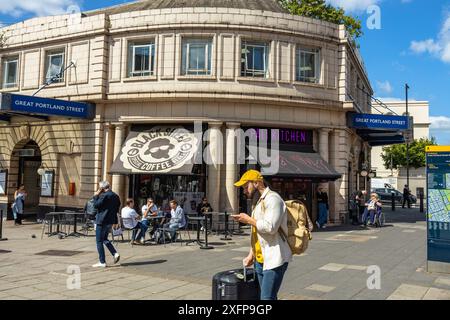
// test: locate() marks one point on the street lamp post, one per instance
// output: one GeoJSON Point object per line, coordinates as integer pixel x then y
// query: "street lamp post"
{"type": "Point", "coordinates": [407, 142]}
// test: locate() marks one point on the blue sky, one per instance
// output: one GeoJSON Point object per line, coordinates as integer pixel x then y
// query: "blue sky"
{"type": "Point", "coordinates": [412, 46]}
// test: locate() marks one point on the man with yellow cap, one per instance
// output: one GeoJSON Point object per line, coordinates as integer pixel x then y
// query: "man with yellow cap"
{"type": "Point", "coordinates": [269, 252]}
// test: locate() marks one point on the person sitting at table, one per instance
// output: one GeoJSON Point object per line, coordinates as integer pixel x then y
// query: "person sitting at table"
{"type": "Point", "coordinates": [203, 207]}
{"type": "Point", "coordinates": [177, 219]}
{"type": "Point", "coordinates": [130, 221]}
{"type": "Point", "coordinates": [150, 210]}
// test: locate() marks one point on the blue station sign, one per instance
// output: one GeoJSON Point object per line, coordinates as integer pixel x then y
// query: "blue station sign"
{"type": "Point", "coordinates": [379, 122]}
{"type": "Point", "coordinates": [29, 105]}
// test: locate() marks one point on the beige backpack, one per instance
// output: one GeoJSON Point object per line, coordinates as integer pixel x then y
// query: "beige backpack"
{"type": "Point", "coordinates": [299, 226]}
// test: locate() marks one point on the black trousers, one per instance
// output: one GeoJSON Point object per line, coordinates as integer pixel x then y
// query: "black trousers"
{"type": "Point", "coordinates": [19, 219]}
{"type": "Point", "coordinates": [408, 201]}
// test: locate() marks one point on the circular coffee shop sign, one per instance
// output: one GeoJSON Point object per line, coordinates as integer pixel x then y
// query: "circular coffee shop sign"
{"type": "Point", "coordinates": [160, 150]}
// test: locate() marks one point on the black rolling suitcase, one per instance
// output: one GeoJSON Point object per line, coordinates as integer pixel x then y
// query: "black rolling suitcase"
{"type": "Point", "coordinates": [238, 284]}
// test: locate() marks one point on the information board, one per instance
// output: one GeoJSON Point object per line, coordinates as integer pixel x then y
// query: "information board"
{"type": "Point", "coordinates": [438, 203]}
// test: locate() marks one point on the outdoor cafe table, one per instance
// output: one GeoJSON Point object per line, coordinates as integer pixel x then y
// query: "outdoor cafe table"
{"type": "Point", "coordinates": [75, 216]}
{"type": "Point", "coordinates": [54, 217]}
{"type": "Point", "coordinates": [199, 219]}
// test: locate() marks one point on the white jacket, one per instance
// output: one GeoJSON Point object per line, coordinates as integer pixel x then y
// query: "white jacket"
{"type": "Point", "coordinates": [275, 250]}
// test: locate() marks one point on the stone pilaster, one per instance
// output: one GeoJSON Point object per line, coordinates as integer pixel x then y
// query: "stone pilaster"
{"type": "Point", "coordinates": [118, 181]}
{"type": "Point", "coordinates": [214, 157]}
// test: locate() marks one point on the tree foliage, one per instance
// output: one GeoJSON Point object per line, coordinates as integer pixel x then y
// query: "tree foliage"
{"type": "Point", "coordinates": [396, 154]}
{"type": "Point", "coordinates": [319, 9]}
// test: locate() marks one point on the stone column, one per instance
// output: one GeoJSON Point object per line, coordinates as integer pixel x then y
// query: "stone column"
{"type": "Point", "coordinates": [231, 169]}
{"type": "Point", "coordinates": [118, 181]}
{"type": "Point", "coordinates": [214, 157]}
{"type": "Point", "coordinates": [108, 156]}
{"type": "Point", "coordinates": [333, 188]}
{"type": "Point", "coordinates": [339, 188]}
{"type": "Point", "coordinates": [324, 149]}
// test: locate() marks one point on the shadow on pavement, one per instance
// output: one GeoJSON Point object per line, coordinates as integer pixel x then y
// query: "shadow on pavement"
{"type": "Point", "coordinates": [142, 263]}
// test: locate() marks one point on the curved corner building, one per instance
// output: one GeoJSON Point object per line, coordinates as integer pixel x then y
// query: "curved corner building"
{"type": "Point", "coordinates": [153, 66]}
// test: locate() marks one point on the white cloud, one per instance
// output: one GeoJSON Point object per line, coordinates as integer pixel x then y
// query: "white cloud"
{"type": "Point", "coordinates": [439, 47]}
{"type": "Point", "coordinates": [440, 123]}
{"type": "Point", "coordinates": [429, 46]}
{"type": "Point", "coordinates": [385, 86]}
{"type": "Point", "coordinates": [36, 7]}
{"type": "Point", "coordinates": [440, 128]}
{"type": "Point", "coordinates": [353, 5]}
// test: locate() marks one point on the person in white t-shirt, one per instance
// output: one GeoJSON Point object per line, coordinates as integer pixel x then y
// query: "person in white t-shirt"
{"type": "Point", "coordinates": [130, 219]}
{"type": "Point", "coordinates": [149, 210]}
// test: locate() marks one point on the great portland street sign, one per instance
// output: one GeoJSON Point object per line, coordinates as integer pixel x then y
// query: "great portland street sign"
{"type": "Point", "coordinates": [28, 105]}
{"type": "Point", "coordinates": [379, 121]}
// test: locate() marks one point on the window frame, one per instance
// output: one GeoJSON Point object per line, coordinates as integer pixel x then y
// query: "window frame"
{"type": "Point", "coordinates": [186, 68]}
{"type": "Point", "coordinates": [317, 52]}
{"type": "Point", "coordinates": [254, 73]}
{"type": "Point", "coordinates": [132, 46]}
{"type": "Point", "coordinates": [6, 61]}
{"type": "Point", "coordinates": [48, 55]}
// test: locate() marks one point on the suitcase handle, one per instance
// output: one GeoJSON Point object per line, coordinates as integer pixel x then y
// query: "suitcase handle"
{"type": "Point", "coordinates": [245, 274]}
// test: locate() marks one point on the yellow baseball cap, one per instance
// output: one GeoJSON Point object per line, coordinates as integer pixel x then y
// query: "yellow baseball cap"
{"type": "Point", "coordinates": [250, 175]}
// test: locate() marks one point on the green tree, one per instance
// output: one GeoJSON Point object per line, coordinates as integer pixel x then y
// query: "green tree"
{"type": "Point", "coordinates": [319, 9]}
{"type": "Point", "coordinates": [395, 155]}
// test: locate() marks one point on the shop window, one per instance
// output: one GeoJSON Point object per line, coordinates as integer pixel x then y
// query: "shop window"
{"type": "Point", "coordinates": [196, 57]}
{"type": "Point", "coordinates": [254, 60]}
{"type": "Point", "coordinates": [54, 66]}
{"type": "Point", "coordinates": [308, 65]}
{"type": "Point", "coordinates": [141, 59]}
{"type": "Point", "coordinates": [10, 72]}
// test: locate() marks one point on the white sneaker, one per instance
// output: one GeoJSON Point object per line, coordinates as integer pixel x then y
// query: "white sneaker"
{"type": "Point", "coordinates": [142, 241]}
{"type": "Point", "coordinates": [99, 265]}
{"type": "Point", "coordinates": [324, 227]}
{"type": "Point", "coordinates": [116, 257]}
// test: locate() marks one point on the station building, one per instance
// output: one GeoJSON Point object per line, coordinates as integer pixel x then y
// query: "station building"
{"type": "Point", "coordinates": [151, 67]}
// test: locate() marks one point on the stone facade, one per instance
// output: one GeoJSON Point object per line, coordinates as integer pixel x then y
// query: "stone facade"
{"type": "Point", "coordinates": [98, 43]}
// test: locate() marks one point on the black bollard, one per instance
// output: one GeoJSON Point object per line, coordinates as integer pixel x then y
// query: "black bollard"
{"type": "Point", "coordinates": [421, 196]}
{"type": "Point", "coordinates": [393, 201]}
{"type": "Point", "coordinates": [1, 227]}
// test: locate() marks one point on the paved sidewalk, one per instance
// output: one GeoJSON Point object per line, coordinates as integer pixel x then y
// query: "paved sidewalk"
{"type": "Point", "coordinates": [334, 267]}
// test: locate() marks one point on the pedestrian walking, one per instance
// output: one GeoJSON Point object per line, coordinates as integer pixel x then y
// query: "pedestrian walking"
{"type": "Point", "coordinates": [108, 204]}
{"type": "Point", "coordinates": [353, 208]}
{"type": "Point", "coordinates": [18, 205]}
{"type": "Point", "coordinates": [322, 200]}
{"type": "Point", "coordinates": [269, 253]}
{"type": "Point", "coordinates": [406, 197]}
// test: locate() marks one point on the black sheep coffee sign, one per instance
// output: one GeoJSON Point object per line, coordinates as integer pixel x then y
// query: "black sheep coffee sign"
{"type": "Point", "coordinates": [159, 150]}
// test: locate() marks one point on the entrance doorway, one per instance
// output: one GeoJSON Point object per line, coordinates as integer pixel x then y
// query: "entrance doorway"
{"type": "Point", "coordinates": [30, 160]}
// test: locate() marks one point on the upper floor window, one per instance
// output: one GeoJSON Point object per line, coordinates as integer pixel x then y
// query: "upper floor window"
{"type": "Point", "coordinates": [196, 57]}
{"type": "Point", "coordinates": [141, 59]}
{"type": "Point", "coordinates": [10, 72]}
{"type": "Point", "coordinates": [54, 66]}
{"type": "Point", "coordinates": [308, 65]}
{"type": "Point", "coordinates": [254, 61]}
